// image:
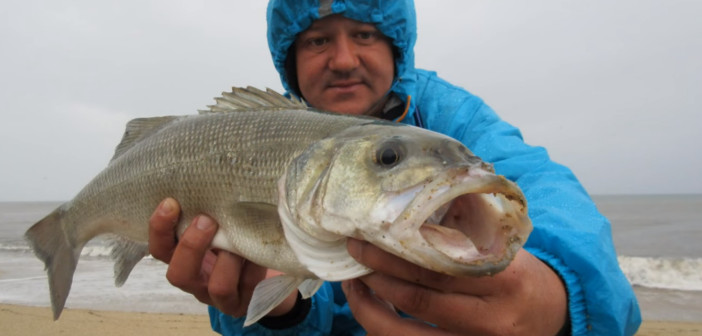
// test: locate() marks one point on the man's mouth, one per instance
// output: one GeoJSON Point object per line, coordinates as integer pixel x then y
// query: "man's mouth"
{"type": "Point", "coordinates": [345, 86]}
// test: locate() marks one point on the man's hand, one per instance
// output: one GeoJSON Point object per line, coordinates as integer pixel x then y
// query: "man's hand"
{"type": "Point", "coordinates": [527, 298]}
{"type": "Point", "coordinates": [217, 278]}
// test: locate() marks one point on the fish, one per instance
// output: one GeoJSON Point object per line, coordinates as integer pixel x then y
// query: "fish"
{"type": "Point", "coordinates": [288, 185]}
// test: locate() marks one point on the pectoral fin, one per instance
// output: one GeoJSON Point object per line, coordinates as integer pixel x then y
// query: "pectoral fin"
{"type": "Point", "coordinates": [309, 287]}
{"type": "Point", "coordinates": [269, 294]}
{"type": "Point", "coordinates": [272, 291]}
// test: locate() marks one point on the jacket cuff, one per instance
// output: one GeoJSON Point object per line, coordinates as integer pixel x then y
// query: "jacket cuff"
{"type": "Point", "coordinates": [577, 311]}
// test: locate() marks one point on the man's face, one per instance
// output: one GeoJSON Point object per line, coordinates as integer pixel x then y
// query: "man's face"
{"type": "Point", "coordinates": [344, 66]}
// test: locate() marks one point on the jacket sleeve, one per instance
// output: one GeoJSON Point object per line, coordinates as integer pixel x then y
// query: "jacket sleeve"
{"type": "Point", "coordinates": [570, 235]}
{"type": "Point", "coordinates": [329, 315]}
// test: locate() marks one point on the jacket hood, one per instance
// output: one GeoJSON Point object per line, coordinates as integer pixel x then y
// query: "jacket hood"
{"type": "Point", "coordinates": [396, 19]}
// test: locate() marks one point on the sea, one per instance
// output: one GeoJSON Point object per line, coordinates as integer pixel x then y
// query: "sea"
{"type": "Point", "coordinates": [658, 240]}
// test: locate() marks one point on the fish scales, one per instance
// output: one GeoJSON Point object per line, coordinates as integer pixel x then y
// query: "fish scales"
{"type": "Point", "coordinates": [237, 157]}
{"type": "Point", "coordinates": [288, 185]}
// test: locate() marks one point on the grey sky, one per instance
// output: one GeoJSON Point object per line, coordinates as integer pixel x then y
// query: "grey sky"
{"type": "Point", "coordinates": [611, 88]}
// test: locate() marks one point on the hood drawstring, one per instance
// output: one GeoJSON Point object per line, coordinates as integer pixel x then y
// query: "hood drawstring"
{"type": "Point", "coordinates": [407, 107]}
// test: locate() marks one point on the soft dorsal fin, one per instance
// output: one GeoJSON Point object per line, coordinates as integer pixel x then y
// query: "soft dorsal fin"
{"type": "Point", "coordinates": [246, 99]}
{"type": "Point", "coordinates": [138, 129]}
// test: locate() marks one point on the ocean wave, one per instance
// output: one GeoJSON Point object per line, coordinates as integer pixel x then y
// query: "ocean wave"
{"type": "Point", "coordinates": [14, 248]}
{"type": "Point", "coordinates": [665, 273]}
{"type": "Point", "coordinates": [92, 251]}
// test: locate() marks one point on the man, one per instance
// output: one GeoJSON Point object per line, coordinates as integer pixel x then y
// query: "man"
{"type": "Point", "coordinates": [356, 57]}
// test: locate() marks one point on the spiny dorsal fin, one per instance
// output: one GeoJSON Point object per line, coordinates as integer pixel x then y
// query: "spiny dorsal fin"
{"type": "Point", "coordinates": [246, 99]}
{"type": "Point", "coordinates": [138, 129]}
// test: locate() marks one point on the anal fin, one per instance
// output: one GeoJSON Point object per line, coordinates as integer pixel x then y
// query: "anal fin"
{"type": "Point", "coordinates": [126, 254]}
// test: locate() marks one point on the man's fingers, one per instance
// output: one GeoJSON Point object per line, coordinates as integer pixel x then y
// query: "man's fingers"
{"type": "Point", "coordinates": [378, 317]}
{"type": "Point", "coordinates": [186, 271]}
{"type": "Point", "coordinates": [162, 224]}
{"type": "Point", "coordinates": [377, 259]}
{"type": "Point", "coordinates": [386, 263]}
{"type": "Point", "coordinates": [429, 304]}
{"type": "Point", "coordinates": [224, 283]}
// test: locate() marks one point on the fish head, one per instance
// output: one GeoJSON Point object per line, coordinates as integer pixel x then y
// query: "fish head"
{"type": "Point", "coordinates": [420, 195]}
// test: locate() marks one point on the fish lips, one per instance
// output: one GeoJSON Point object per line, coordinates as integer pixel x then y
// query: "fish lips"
{"type": "Point", "coordinates": [470, 222]}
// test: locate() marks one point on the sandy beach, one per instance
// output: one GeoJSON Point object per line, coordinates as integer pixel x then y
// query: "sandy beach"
{"type": "Point", "coordinates": [24, 320]}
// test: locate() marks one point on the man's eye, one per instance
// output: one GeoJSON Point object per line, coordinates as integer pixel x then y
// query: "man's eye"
{"type": "Point", "coordinates": [366, 35]}
{"type": "Point", "coordinates": [317, 42]}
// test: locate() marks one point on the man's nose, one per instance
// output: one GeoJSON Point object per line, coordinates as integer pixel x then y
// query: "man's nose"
{"type": "Point", "coordinates": [344, 56]}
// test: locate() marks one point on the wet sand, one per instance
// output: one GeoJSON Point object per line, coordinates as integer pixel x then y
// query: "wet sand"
{"type": "Point", "coordinates": [24, 320]}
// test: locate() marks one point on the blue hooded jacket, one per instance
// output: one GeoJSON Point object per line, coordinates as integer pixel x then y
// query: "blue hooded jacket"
{"type": "Point", "coordinates": [569, 235]}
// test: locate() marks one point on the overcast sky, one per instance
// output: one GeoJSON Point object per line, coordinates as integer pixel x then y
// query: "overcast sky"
{"type": "Point", "coordinates": [613, 89]}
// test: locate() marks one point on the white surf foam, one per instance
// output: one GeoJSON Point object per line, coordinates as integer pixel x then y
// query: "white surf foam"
{"type": "Point", "coordinates": [90, 250]}
{"type": "Point", "coordinates": [665, 273]}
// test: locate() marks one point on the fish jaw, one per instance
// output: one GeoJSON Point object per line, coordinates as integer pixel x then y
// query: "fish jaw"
{"type": "Point", "coordinates": [472, 222]}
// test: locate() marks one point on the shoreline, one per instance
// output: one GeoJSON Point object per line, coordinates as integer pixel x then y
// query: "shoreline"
{"type": "Point", "coordinates": [29, 320]}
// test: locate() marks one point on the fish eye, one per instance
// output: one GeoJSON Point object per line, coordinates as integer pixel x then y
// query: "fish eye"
{"type": "Point", "coordinates": [389, 155]}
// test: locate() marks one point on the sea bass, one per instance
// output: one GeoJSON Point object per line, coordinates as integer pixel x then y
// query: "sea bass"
{"type": "Point", "coordinates": [288, 184]}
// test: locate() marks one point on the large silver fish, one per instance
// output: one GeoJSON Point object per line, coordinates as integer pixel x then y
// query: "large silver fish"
{"type": "Point", "coordinates": [288, 185]}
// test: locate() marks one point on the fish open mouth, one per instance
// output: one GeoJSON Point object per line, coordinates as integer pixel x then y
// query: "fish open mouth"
{"type": "Point", "coordinates": [470, 225]}
{"type": "Point", "coordinates": [470, 228]}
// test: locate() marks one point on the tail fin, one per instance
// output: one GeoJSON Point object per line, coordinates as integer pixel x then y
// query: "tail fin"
{"type": "Point", "coordinates": [50, 244]}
